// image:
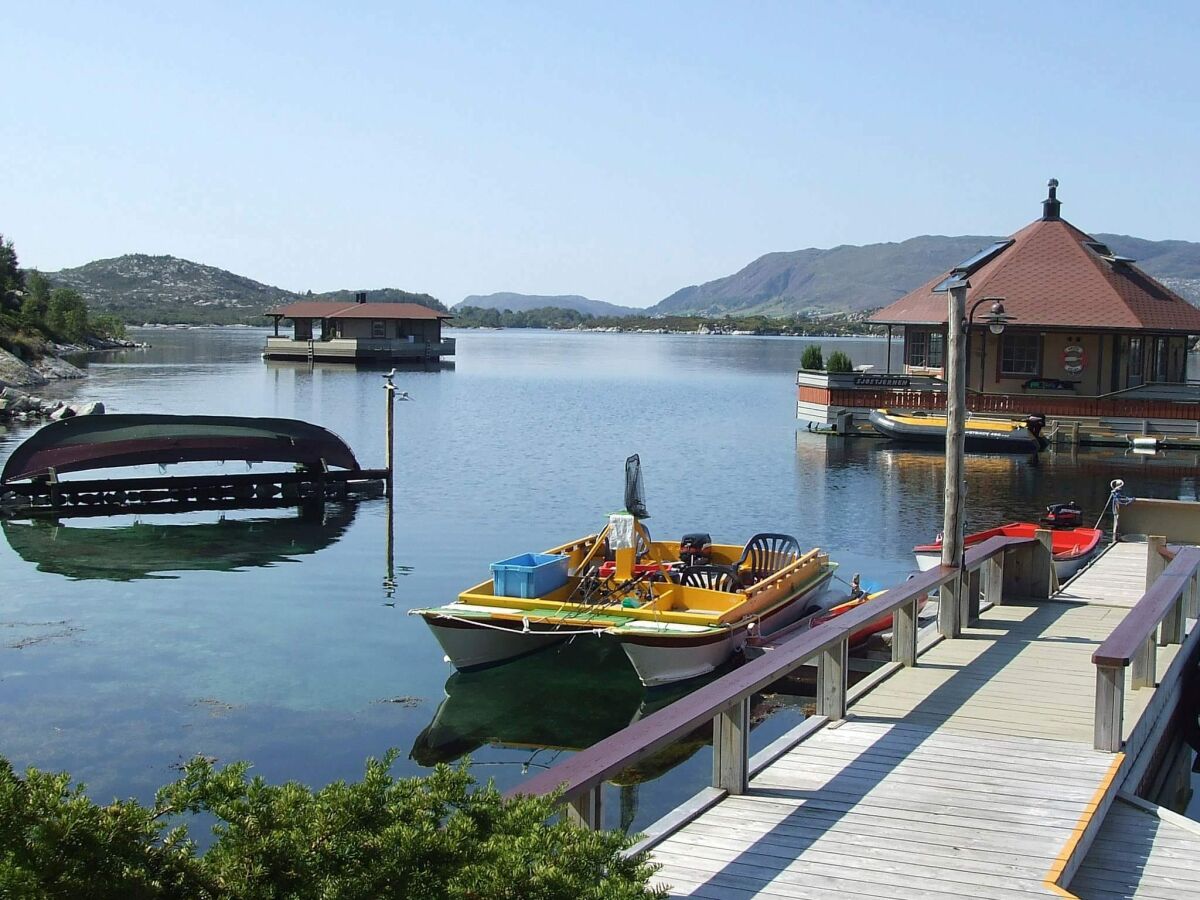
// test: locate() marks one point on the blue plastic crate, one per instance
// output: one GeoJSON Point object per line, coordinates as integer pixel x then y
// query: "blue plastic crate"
{"type": "Point", "coordinates": [529, 575]}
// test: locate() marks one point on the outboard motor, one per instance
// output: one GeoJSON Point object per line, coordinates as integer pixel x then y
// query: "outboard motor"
{"type": "Point", "coordinates": [1062, 515]}
{"type": "Point", "coordinates": [695, 549]}
{"type": "Point", "coordinates": [1035, 424]}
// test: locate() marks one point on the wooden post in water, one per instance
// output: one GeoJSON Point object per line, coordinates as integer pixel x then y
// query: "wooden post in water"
{"type": "Point", "coordinates": [950, 605]}
{"type": "Point", "coordinates": [389, 390]}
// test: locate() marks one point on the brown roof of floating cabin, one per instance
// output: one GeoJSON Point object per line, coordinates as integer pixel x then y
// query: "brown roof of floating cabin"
{"type": "Point", "coordinates": [1053, 275]}
{"type": "Point", "coordinates": [314, 309]}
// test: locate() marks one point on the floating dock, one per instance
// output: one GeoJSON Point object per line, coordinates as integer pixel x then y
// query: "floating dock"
{"type": "Point", "coordinates": [1004, 762]}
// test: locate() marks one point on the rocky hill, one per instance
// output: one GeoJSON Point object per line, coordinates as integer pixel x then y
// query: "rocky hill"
{"type": "Point", "coordinates": [524, 302]}
{"type": "Point", "coordinates": [142, 288]}
{"type": "Point", "coordinates": [864, 277]}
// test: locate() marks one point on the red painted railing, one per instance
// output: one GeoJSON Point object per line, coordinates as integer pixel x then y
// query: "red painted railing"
{"type": "Point", "coordinates": [1012, 404]}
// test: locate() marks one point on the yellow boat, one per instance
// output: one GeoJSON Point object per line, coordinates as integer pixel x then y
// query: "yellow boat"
{"type": "Point", "coordinates": [679, 609]}
{"type": "Point", "coordinates": [982, 433]}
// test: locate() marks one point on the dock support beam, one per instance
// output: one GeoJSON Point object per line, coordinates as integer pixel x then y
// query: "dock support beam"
{"type": "Point", "coordinates": [731, 748]}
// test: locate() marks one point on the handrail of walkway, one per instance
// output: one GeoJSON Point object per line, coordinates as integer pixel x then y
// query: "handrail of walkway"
{"type": "Point", "coordinates": [726, 700]}
{"type": "Point", "coordinates": [1172, 595]}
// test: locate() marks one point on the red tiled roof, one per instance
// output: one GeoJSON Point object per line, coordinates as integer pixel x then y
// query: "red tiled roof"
{"type": "Point", "coordinates": [1047, 277]}
{"type": "Point", "coordinates": [313, 309]}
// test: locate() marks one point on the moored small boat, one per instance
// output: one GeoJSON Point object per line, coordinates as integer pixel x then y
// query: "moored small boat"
{"type": "Point", "coordinates": [1071, 548]}
{"type": "Point", "coordinates": [982, 433]}
{"type": "Point", "coordinates": [674, 620]}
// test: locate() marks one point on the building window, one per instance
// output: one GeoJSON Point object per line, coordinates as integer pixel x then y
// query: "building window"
{"type": "Point", "coordinates": [1020, 354]}
{"type": "Point", "coordinates": [378, 329]}
{"type": "Point", "coordinates": [925, 349]}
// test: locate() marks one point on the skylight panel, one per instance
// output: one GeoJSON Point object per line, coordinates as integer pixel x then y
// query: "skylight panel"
{"type": "Point", "coordinates": [971, 265]}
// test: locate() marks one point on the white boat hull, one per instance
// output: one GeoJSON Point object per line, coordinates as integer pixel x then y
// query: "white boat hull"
{"type": "Point", "coordinates": [662, 653]}
{"type": "Point", "coordinates": [473, 646]}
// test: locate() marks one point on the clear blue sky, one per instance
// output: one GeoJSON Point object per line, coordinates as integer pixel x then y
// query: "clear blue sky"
{"type": "Point", "coordinates": [615, 150]}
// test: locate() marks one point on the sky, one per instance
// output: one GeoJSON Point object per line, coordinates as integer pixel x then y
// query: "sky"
{"type": "Point", "coordinates": [619, 151]}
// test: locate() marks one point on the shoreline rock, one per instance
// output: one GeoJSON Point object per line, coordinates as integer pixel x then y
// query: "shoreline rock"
{"type": "Point", "coordinates": [20, 407]}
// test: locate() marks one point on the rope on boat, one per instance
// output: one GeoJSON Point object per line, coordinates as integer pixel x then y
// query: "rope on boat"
{"type": "Point", "coordinates": [525, 629]}
{"type": "Point", "coordinates": [1116, 499]}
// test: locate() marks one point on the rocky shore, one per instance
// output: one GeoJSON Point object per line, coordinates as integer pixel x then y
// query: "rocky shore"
{"type": "Point", "coordinates": [20, 407]}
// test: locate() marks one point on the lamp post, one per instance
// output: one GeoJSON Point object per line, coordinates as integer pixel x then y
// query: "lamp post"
{"type": "Point", "coordinates": [957, 321]}
{"type": "Point", "coordinates": [995, 320]}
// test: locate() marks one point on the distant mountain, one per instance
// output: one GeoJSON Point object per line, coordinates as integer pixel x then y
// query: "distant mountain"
{"type": "Point", "coordinates": [523, 302]}
{"type": "Point", "coordinates": [864, 277]}
{"type": "Point", "coordinates": [142, 288]}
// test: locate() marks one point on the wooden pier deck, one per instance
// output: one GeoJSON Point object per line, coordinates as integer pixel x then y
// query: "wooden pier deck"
{"type": "Point", "coordinates": [972, 774]}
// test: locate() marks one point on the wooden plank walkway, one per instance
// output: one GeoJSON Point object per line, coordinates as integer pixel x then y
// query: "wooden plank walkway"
{"type": "Point", "coordinates": [963, 777]}
{"type": "Point", "coordinates": [1141, 851]}
{"type": "Point", "coordinates": [1118, 578]}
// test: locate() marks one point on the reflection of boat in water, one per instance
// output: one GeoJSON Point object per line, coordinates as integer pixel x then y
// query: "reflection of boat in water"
{"type": "Point", "coordinates": [144, 550]}
{"type": "Point", "coordinates": [566, 698]}
{"type": "Point", "coordinates": [982, 433]}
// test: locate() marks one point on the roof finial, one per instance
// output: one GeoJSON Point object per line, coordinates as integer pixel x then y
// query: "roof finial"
{"type": "Point", "coordinates": [1051, 206]}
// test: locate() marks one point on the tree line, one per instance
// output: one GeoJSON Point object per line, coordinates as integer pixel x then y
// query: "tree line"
{"type": "Point", "coordinates": [557, 317]}
{"type": "Point", "coordinates": [30, 310]}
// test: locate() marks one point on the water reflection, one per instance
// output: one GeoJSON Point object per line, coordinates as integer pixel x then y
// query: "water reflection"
{"type": "Point", "coordinates": [565, 698]}
{"type": "Point", "coordinates": [148, 550]}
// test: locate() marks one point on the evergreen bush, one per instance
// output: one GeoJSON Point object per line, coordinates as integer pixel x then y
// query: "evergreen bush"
{"type": "Point", "coordinates": [438, 836]}
{"type": "Point", "coordinates": [840, 362]}
{"type": "Point", "coordinates": [812, 358]}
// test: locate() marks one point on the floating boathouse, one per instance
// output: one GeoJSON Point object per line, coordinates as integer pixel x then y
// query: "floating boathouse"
{"type": "Point", "coordinates": [1092, 342]}
{"type": "Point", "coordinates": [359, 332]}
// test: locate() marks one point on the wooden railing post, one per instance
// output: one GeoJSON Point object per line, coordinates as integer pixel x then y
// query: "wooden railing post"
{"type": "Point", "coordinates": [904, 635]}
{"type": "Point", "coordinates": [1155, 563]}
{"type": "Point", "coordinates": [1173, 624]}
{"type": "Point", "coordinates": [731, 747]}
{"type": "Point", "coordinates": [585, 809]}
{"type": "Point", "coordinates": [950, 608]}
{"type": "Point", "coordinates": [831, 681]}
{"type": "Point", "coordinates": [993, 580]}
{"type": "Point", "coordinates": [1110, 708]}
{"type": "Point", "coordinates": [971, 580]}
{"type": "Point", "coordinates": [1046, 582]}
{"type": "Point", "coordinates": [1145, 664]}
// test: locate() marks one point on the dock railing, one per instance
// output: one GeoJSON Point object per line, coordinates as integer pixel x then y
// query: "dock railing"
{"type": "Point", "coordinates": [1159, 618]}
{"type": "Point", "coordinates": [726, 700]}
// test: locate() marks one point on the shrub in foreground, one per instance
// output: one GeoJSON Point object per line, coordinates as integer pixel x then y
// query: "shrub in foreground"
{"type": "Point", "coordinates": [438, 836]}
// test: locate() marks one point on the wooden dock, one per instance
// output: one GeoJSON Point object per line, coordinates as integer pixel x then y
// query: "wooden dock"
{"type": "Point", "coordinates": [971, 774]}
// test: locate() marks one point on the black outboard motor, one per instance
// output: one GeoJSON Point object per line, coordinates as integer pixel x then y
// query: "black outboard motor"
{"type": "Point", "coordinates": [1034, 425]}
{"type": "Point", "coordinates": [1062, 515]}
{"type": "Point", "coordinates": [695, 549]}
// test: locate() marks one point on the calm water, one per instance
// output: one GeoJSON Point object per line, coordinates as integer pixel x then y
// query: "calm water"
{"type": "Point", "coordinates": [129, 645]}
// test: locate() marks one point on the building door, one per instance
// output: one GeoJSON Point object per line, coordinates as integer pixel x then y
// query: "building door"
{"type": "Point", "coordinates": [1137, 361]}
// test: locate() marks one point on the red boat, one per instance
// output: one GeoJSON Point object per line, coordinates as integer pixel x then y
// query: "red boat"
{"type": "Point", "coordinates": [1072, 547]}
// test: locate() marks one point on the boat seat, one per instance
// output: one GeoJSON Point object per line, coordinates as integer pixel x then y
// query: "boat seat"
{"type": "Point", "coordinates": [765, 554]}
{"type": "Point", "coordinates": [712, 578]}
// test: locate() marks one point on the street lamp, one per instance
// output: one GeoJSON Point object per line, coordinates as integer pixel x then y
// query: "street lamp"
{"type": "Point", "coordinates": [995, 320]}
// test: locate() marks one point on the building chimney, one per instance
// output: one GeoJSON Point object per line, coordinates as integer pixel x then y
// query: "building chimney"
{"type": "Point", "coordinates": [1051, 206]}
{"type": "Point", "coordinates": [361, 296]}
